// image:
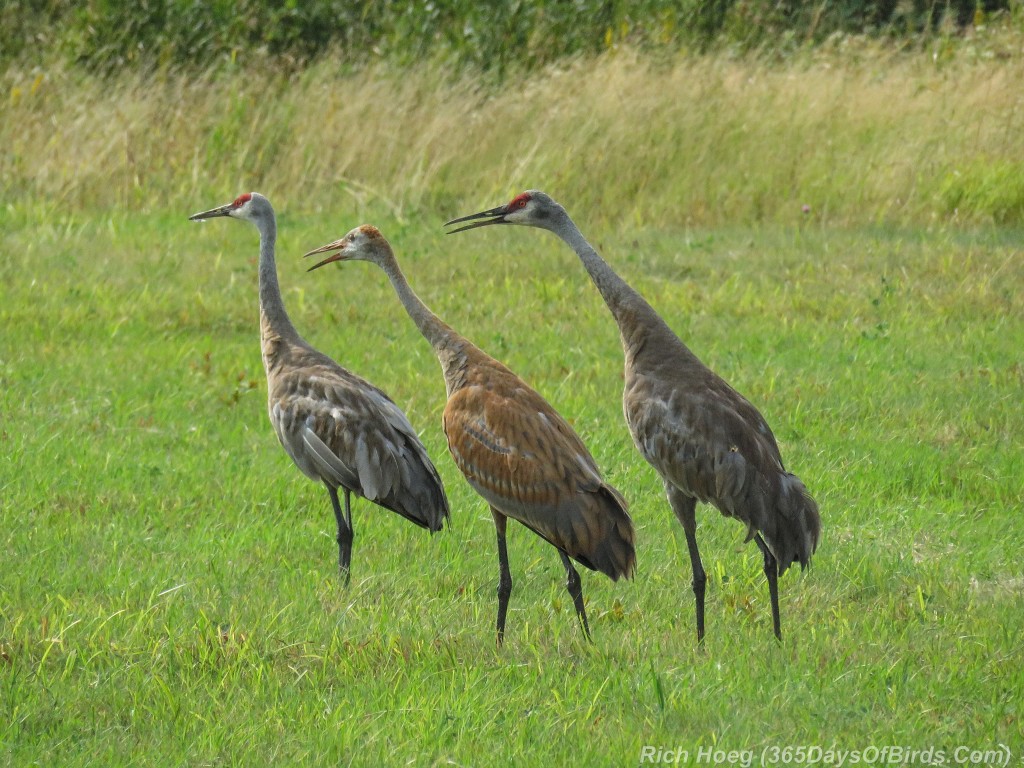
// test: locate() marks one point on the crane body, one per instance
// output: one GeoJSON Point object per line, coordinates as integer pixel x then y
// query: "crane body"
{"type": "Point", "coordinates": [513, 448]}
{"type": "Point", "coordinates": [338, 429]}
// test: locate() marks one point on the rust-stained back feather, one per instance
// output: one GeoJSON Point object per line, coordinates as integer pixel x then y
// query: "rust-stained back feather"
{"type": "Point", "coordinates": [524, 459]}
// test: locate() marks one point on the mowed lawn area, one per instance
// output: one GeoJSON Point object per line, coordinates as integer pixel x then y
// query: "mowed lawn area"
{"type": "Point", "coordinates": [842, 243]}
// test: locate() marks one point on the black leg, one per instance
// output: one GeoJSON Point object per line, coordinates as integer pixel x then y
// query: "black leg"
{"type": "Point", "coordinates": [575, 587]}
{"type": "Point", "coordinates": [345, 533]}
{"type": "Point", "coordinates": [504, 577]}
{"type": "Point", "coordinates": [771, 570]}
{"type": "Point", "coordinates": [685, 508]}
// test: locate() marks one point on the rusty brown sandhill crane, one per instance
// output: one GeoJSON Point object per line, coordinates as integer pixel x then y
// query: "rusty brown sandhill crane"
{"type": "Point", "coordinates": [512, 446]}
{"type": "Point", "coordinates": [705, 439]}
{"type": "Point", "coordinates": [339, 429]}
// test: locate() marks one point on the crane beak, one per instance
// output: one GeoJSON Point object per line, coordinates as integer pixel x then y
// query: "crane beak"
{"type": "Point", "coordinates": [493, 216]}
{"type": "Point", "coordinates": [335, 246]}
{"type": "Point", "coordinates": [223, 210]}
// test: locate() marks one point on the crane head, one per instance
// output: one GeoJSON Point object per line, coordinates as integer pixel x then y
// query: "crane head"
{"type": "Point", "coordinates": [532, 208]}
{"type": "Point", "coordinates": [364, 243]}
{"type": "Point", "coordinates": [248, 206]}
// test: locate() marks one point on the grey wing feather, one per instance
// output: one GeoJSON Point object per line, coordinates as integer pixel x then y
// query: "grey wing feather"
{"type": "Point", "coordinates": [342, 430]}
{"type": "Point", "coordinates": [409, 454]}
{"type": "Point", "coordinates": [368, 475]}
{"type": "Point", "coordinates": [327, 462]}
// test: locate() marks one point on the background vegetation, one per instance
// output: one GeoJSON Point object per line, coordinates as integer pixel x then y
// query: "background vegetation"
{"type": "Point", "coordinates": [834, 226]}
{"type": "Point", "coordinates": [517, 35]}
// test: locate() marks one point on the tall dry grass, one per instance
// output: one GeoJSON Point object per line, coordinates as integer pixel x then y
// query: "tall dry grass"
{"type": "Point", "coordinates": [856, 134]}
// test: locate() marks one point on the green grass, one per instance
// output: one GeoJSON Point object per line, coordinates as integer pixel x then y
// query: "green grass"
{"type": "Point", "coordinates": [169, 593]}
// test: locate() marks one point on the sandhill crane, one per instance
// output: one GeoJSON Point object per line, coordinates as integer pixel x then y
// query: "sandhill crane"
{"type": "Point", "coordinates": [705, 439]}
{"type": "Point", "coordinates": [338, 428]}
{"type": "Point", "coordinates": [512, 446]}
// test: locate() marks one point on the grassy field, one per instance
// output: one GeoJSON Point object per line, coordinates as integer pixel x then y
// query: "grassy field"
{"type": "Point", "coordinates": [169, 593]}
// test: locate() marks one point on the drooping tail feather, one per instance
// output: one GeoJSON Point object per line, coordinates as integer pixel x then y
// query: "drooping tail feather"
{"type": "Point", "coordinates": [421, 499]}
{"type": "Point", "coordinates": [598, 535]}
{"type": "Point", "coordinates": [615, 553]}
{"type": "Point", "coordinates": [798, 527]}
{"type": "Point", "coordinates": [425, 503]}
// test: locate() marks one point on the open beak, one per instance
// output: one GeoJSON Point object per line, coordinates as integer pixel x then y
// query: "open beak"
{"type": "Point", "coordinates": [223, 210]}
{"type": "Point", "coordinates": [335, 246]}
{"type": "Point", "coordinates": [493, 216]}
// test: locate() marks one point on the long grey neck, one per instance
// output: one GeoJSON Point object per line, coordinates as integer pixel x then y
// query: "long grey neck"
{"type": "Point", "coordinates": [636, 319]}
{"type": "Point", "coordinates": [644, 334]}
{"type": "Point", "coordinates": [272, 308]}
{"type": "Point", "coordinates": [615, 291]}
{"type": "Point", "coordinates": [448, 345]}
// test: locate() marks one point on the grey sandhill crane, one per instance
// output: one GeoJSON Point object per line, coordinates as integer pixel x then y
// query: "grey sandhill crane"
{"type": "Point", "coordinates": [512, 446]}
{"type": "Point", "coordinates": [705, 439]}
{"type": "Point", "coordinates": [338, 428]}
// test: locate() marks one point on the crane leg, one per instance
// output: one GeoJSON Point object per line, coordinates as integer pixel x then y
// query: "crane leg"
{"type": "Point", "coordinates": [504, 576]}
{"type": "Point", "coordinates": [575, 587]}
{"type": "Point", "coordinates": [771, 570]}
{"type": "Point", "coordinates": [345, 533]}
{"type": "Point", "coordinates": [685, 508]}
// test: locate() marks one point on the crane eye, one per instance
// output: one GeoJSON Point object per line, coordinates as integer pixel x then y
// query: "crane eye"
{"type": "Point", "coordinates": [242, 200]}
{"type": "Point", "coordinates": [520, 202]}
